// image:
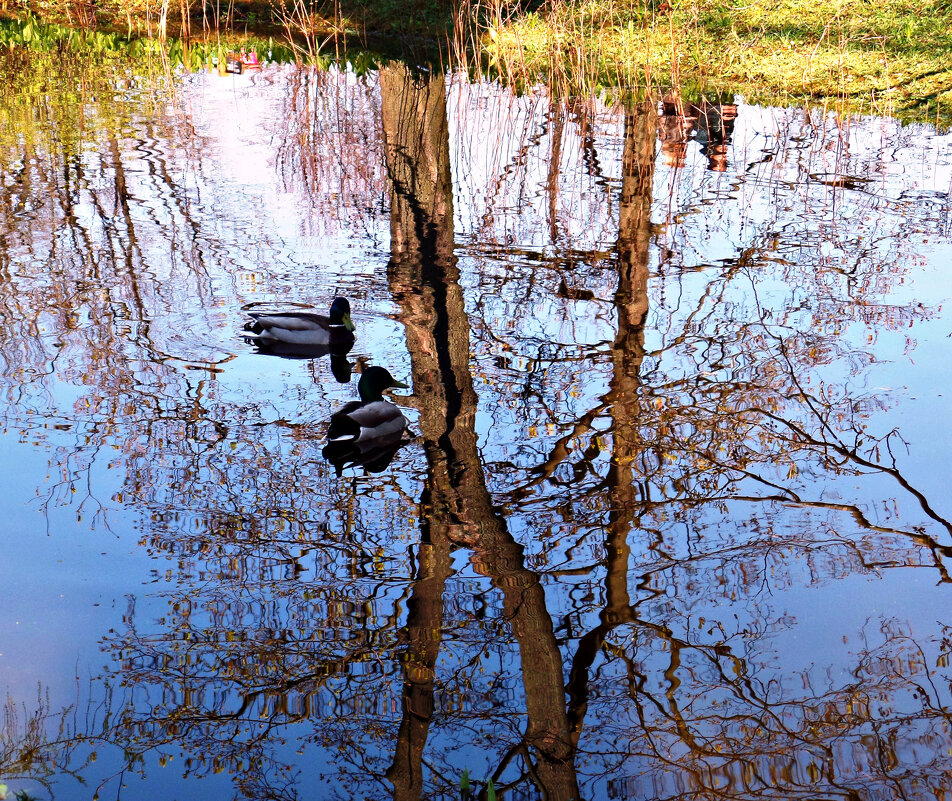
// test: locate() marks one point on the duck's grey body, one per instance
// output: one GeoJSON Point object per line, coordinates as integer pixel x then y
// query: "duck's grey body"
{"type": "Point", "coordinates": [296, 328]}
{"type": "Point", "coordinates": [303, 327]}
{"type": "Point", "coordinates": [363, 422]}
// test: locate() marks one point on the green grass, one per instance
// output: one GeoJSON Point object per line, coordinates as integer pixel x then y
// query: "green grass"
{"type": "Point", "coordinates": [893, 56]}
{"type": "Point", "coordinates": [881, 56]}
{"type": "Point", "coordinates": [37, 35]}
{"type": "Point", "coordinates": [353, 20]}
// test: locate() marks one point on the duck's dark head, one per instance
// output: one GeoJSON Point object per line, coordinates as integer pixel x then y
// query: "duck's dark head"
{"type": "Point", "coordinates": [340, 314]}
{"type": "Point", "coordinates": [373, 381]}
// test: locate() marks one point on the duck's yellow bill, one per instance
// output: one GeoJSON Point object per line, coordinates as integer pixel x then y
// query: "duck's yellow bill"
{"type": "Point", "coordinates": [400, 385]}
{"type": "Point", "coordinates": [348, 323]}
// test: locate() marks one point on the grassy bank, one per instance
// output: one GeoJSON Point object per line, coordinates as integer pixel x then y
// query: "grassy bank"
{"type": "Point", "coordinates": [309, 26]}
{"type": "Point", "coordinates": [892, 56]}
{"type": "Point", "coordinates": [881, 56]}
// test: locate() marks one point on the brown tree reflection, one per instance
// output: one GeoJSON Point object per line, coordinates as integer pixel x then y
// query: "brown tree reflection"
{"type": "Point", "coordinates": [458, 509]}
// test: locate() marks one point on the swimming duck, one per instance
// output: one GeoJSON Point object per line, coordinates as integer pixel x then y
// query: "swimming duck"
{"type": "Point", "coordinates": [303, 327]}
{"type": "Point", "coordinates": [370, 418]}
{"type": "Point", "coordinates": [367, 432]}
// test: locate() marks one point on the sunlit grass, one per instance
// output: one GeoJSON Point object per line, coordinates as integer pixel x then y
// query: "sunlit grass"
{"type": "Point", "coordinates": [40, 36]}
{"type": "Point", "coordinates": [892, 56]}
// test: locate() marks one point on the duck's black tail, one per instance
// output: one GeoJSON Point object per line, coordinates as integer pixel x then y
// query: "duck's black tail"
{"type": "Point", "coordinates": [343, 429]}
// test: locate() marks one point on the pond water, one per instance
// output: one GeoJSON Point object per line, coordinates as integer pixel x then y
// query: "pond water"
{"type": "Point", "coordinates": [671, 519]}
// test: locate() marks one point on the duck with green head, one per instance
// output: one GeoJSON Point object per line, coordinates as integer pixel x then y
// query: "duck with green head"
{"type": "Point", "coordinates": [303, 327]}
{"type": "Point", "coordinates": [372, 417]}
{"type": "Point", "coordinates": [369, 431]}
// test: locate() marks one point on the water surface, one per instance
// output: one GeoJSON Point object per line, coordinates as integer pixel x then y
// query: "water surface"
{"type": "Point", "coordinates": [672, 522]}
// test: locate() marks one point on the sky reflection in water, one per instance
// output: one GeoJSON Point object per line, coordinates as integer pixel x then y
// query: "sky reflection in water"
{"type": "Point", "coordinates": [673, 523]}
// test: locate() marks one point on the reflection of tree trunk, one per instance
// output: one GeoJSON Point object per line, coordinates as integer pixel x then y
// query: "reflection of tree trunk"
{"type": "Point", "coordinates": [423, 635]}
{"type": "Point", "coordinates": [634, 239]}
{"type": "Point", "coordinates": [416, 142]}
{"type": "Point", "coordinates": [457, 506]}
{"type": "Point", "coordinates": [416, 139]}
{"type": "Point", "coordinates": [631, 303]}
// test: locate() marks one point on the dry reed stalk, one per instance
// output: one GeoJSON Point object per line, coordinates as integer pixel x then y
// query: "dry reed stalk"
{"type": "Point", "coordinates": [163, 20]}
{"type": "Point", "coordinates": [303, 22]}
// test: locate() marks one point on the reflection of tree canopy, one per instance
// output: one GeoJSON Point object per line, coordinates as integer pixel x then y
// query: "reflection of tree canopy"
{"type": "Point", "coordinates": [627, 447]}
{"type": "Point", "coordinates": [330, 146]}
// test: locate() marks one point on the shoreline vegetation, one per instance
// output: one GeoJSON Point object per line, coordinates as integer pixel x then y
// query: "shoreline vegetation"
{"type": "Point", "coordinates": [892, 57]}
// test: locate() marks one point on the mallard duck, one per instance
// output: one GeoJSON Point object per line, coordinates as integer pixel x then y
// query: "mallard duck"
{"type": "Point", "coordinates": [303, 327]}
{"type": "Point", "coordinates": [370, 418]}
{"type": "Point", "coordinates": [369, 431]}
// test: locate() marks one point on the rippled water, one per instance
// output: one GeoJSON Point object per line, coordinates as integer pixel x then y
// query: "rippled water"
{"type": "Point", "coordinates": [672, 520]}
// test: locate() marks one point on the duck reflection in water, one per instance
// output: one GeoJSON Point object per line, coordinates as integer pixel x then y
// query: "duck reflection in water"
{"type": "Point", "coordinates": [306, 335]}
{"type": "Point", "coordinates": [367, 432]}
